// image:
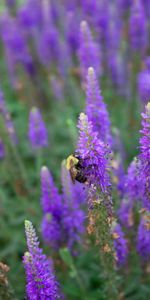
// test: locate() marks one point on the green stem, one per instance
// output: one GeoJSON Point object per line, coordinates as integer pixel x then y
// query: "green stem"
{"type": "Point", "coordinates": [39, 159]}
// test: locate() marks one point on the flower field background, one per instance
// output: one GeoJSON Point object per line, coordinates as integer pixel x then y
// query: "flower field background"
{"type": "Point", "coordinates": [75, 80]}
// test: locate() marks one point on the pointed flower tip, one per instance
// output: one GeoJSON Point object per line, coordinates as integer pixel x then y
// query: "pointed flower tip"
{"type": "Point", "coordinates": [91, 71]}
{"type": "Point", "coordinates": [44, 169]}
{"type": "Point", "coordinates": [82, 116]}
{"type": "Point", "coordinates": [27, 254]}
{"type": "Point", "coordinates": [148, 108]}
{"type": "Point", "coordinates": [34, 110]}
{"type": "Point", "coordinates": [27, 224]}
{"type": "Point", "coordinates": [83, 25]}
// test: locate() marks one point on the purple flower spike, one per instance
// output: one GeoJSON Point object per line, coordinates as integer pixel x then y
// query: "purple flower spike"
{"type": "Point", "coordinates": [143, 239]}
{"type": "Point", "coordinates": [41, 282]}
{"type": "Point", "coordinates": [120, 245]}
{"type": "Point", "coordinates": [89, 52]}
{"type": "Point", "coordinates": [145, 157]}
{"type": "Point", "coordinates": [38, 135]}
{"type": "Point", "coordinates": [96, 109]}
{"type": "Point", "coordinates": [94, 153]}
{"type": "Point", "coordinates": [138, 27]}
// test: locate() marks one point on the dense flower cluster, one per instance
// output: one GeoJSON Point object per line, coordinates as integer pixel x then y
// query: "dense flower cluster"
{"type": "Point", "coordinates": [94, 153]}
{"type": "Point", "coordinates": [41, 282]}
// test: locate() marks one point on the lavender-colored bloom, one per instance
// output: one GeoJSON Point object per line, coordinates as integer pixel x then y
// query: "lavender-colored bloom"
{"type": "Point", "coordinates": [133, 181]}
{"type": "Point", "coordinates": [7, 120]}
{"type": "Point", "coordinates": [143, 239]}
{"type": "Point", "coordinates": [96, 109]}
{"type": "Point", "coordinates": [57, 87]}
{"type": "Point", "coordinates": [125, 213]}
{"type": "Point", "coordinates": [50, 198]}
{"type": "Point", "coordinates": [101, 19]}
{"type": "Point", "coordinates": [41, 282]}
{"type": "Point", "coordinates": [89, 52]}
{"type": "Point", "coordinates": [49, 45]}
{"type": "Point", "coordinates": [94, 153]}
{"type": "Point", "coordinates": [38, 135]}
{"type": "Point", "coordinates": [145, 157]}
{"type": "Point", "coordinates": [132, 192]}
{"type": "Point", "coordinates": [63, 220]}
{"type": "Point", "coordinates": [146, 5]}
{"type": "Point", "coordinates": [124, 5]}
{"type": "Point", "coordinates": [138, 27]}
{"type": "Point", "coordinates": [120, 245]}
{"type": "Point", "coordinates": [143, 81]}
{"type": "Point", "coordinates": [11, 3]}
{"type": "Point", "coordinates": [15, 43]}
{"type": "Point", "coordinates": [89, 6]}
{"type": "Point", "coordinates": [30, 14]}
{"type": "Point", "coordinates": [72, 33]}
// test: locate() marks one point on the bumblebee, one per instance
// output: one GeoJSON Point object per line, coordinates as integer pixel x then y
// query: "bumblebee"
{"type": "Point", "coordinates": [75, 166]}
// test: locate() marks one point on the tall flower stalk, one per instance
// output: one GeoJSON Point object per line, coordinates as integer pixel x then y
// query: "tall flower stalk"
{"type": "Point", "coordinates": [95, 155]}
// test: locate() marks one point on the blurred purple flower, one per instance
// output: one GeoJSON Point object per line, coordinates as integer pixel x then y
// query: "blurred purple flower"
{"type": "Point", "coordinates": [41, 282]}
{"type": "Point", "coordinates": [11, 3]}
{"type": "Point", "coordinates": [50, 198]}
{"type": "Point", "coordinates": [89, 52]}
{"type": "Point", "coordinates": [132, 181]}
{"type": "Point", "coordinates": [138, 27]}
{"type": "Point", "coordinates": [125, 213]}
{"type": "Point", "coordinates": [15, 42]}
{"type": "Point", "coordinates": [95, 154]}
{"type": "Point", "coordinates": [143, 239]}
{"type": "Point", "coordinates": [30, 14]}
{"type": "Point", "coordinates": [124, 5]}
{"type": "Point", "coordinates": [120, 245]}
{"type": "Point", "coordinates": [96, 109]}
{"type": "Point", "coordinates": [143, 81]}
{"type": "Point", "coordinates": [38, 135]}
{"type": "Point", "coordinates": [146, 5]}
{"type": "Point", "coordinates": [132, 193]}
{"type": "Point", "coordinates": [63, 220]}
{"type": "Point", "coordinates": [72, 32]}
